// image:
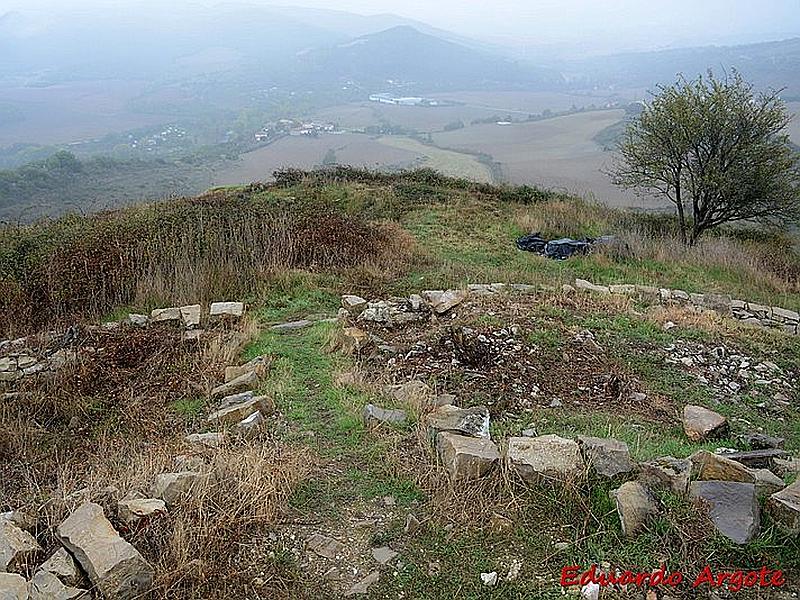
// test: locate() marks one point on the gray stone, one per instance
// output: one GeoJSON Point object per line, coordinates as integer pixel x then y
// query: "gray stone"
{"type": "Point", "coordinates": [324, 546]}
{"type": "Point", "coordinates": [292, 326]}
{"type": "Point", "coordinates": [235, 399]}
{"type": "Point", "coordinates": [171, 487]}
{"type": "Point", "coordinates": [444, 400]}
{"type": "Point", "coordinates": [758, 459]}
{"type": "Point", "coordinates": [160, 315]}
{"type": "Point", "coordinates": [362, 587]}
{"type": "Point", "coordinates": [410, 393]}
{"type": "Point", "coordinates": [732, 506]}
{"type": "Point", "coordinates": [46, 586]}
{"type": "Point", "coordinates": [232, 415]}
{"type": "Point", "coordinates": [62, 565]}
{"type": "Point", "coordinates": [623, 288]}
{"type": "Point", "coordinates": [714, 467]}
{"type": "Point", "coordinates": [466, 457]}
{"type": "Point", "coordinates": [472, 422]}
{"type": "Point", "coordinates": [13, 587]}
{"type": "Point", "coordinates": [767, 483]}
{"type": "Point", "coordinates": [648, 293]}
{"type": "Point", "coordinates": [784, 507]}
{"type": "Point", "coordinates": [250, 425]}
{"type": "Point", "coordinates": [701, 424]}
{"type": "Point", "coordinates": [191, 316]}
{"type": "Point", "coordinates": [258, 365]}
{"type": "Point", "coordinates": [719, 303]}
{"type": "Point", "coordinates": [243, 383]}
{"type": "Point", "coordinates": [135, 509]}
{"type": "Point", "coordinates": [588, 286]}
{"type": "Point", "coordinates": [18, 548]}
{"type": "Point", "coordinates": [383, 555]}
{"type": "Point", "coordinates": [390, 314]}
{"type": "Point", "coordinates": [138, 320]}
{"type": "Point", "coordinates": [635, 507]}
{"type": "Point", "coordinates": [114, 566]}
{"type": "Point", "coordinates": [375, 415]}
{"type": "Point", "coordinates": [226, 309]}
{"type": "Point", "coordinates": [543, 459]}
{"type": "Point", "coordinates": [353, 304]}
{"type": "Point", "coordinates": [785, 314]}
{"type": "Point", "coordinates": [443, 301]}
{"type": "Point", "coordinates": [211, 439]}
{"type": "Point", "coordinates": [760, 441]}
{"type": "Point", "coordinates": [606, 457]}
{"type": "Point", "coordinates": [666, 473]}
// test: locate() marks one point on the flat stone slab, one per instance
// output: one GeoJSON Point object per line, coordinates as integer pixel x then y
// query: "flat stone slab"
{"type": "Point", "coordinates": [226, 309]}
{"type": "Point", "coordinates": [114, 566]}
{"type": "Point", "coordinates": [466, 457]}
{"type": "Point", "coordinates": [135, 509]}
{"type": "Point", "coordinates": [732, 507]}
{"type": "Point", "coordinates": [758, 459]}
{"type": "Point", "coordinates": [17, 547]}
{"type": "Point", "coordinates": [606, 457]}
{"type": "Point", "coordinates": [784, 507]}
{"type": "Point", "coordinates": [171, 487]}
{"type": "Point", "coordinates": [759, 441]}
{"type": "Point", "coordinates": [250, 425]}
{"type": "Point", "coordinates": [702, 424]}
{"type": "Point", "coordinates": [232, 415]}
{"type": "Point", "coordinates": [46, 586]}
{"type": "Point", "coordinates": [384, 554]}
{"type": "Point", "coordinates": [324, 546]}
{"type": "Point", "coordinates": [62, 565]}
{"type": "Point", "coordinates": [546, 458]}
{"type": "Point", "coordinates": [13, 587]}
{"type": "Point", "coordinates": [242, 383]}
{"type": "Point", "coordinates": [362, 587]}
{"type": "Point", "coordinates": [258, 365]}
{"type": "Point", "coordinates": [191, 316]}
{"type": "Point", "coordinates": [666, 473]}
{"type": "Point", "coordinates": [635, 507]}
{"type": "Point", "coordinates": [707, 466]}
{"type": "Point", "coordinates": [443, 301]}
{"type": "Point", "coordinates": [160, 315]}
{"type": "Point", "coordinates": [375, 415]}
{"type": "Point", "coordinates": [473, 422]}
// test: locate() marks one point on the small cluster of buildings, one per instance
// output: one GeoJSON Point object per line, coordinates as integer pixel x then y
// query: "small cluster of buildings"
{"type": "Point", "coordinates": [293, 127]}
{"type": "Point", "coordinates": [403, 100]}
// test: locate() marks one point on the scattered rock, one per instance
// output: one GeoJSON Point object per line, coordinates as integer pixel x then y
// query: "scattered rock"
{"type": "Point", "coordinates": [324, 546]}
{"type": "Point", "coordinates": [587, 286]}
{"type": "Point", "coordinates": [784, 507]}
{"type": "Point", "coordinates": [62, 565]}
{"type": "Point", "coordinates": [258, 365]}
{"type": "Point", "coordinates": [114, 566]}
{"type": "Point", "coordinates": [242, 383]}
{"type": "Point", "coordinates": [666, 473]}
{"type": "Point", "coordinates": [17, 547]}
{"type": "Point", "coordinates": [133, 510]}
{"type": "Point", "coordinates": [13, 587]}
{"type": "Point", "coordinates": [733, 507]}
{"type": "Point", "coordinates": [212, 439]}
{"type": "Point", "coordinates": [701, 424]}
{"type": "Point", "coordinates": [231, 415]}
{"type": "Point", "coordinates": [759, 441]}
{"type": "Point", "coordinates": [191, 316]}
{"type": "Point", "coordinates": [713, 467]}
{"type": "Point", "coordinates": [466, 457]}
{"type": "Point", "coordinates": [412, 392]}
{"type": "Point", "coordinates": [362, 587]}
{"type": "Point", "coordinates": [606, 457]}
{"type": "Point", "coordinates": [412, 525]}
{"type": "Point", "coordinates": [758, 459]}
{"type": "Point", "coordinates": [473, 422]}
{"type": "Point", "coordinates": [547, 458]}
{"type": "Point", "coordinates": [250, 425]}
{"type": "Point", "coordinates": [171, 487]}
{"type": "Point", "coordinates": [353, 304]}
{"type": "Point", "coordinates": [375, 415]}
{"type": "Point", "coordinates": [46, 586]}
{"type": "Point", "coordinates": [138, 320]}
{"type": "Point", "coordinates": [383, 555]}
{"type": "Point", "coordinates": [226, 309]}
{"type": "Point", "coordinates": [489, 579]}
{"type": "Point", "coordinates": [161, 315]}
{"type": "Point", "coordinates": [767, 483]}
{"type": "Point", "coordinates": [443, 301]}
{"type": "Point", "coordinates": [635, 507]}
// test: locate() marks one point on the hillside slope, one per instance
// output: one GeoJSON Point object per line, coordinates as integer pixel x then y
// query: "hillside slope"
{"type": "Point", "coordinates": [387, 458]}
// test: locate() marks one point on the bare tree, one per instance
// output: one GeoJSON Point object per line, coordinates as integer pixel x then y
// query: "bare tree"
{"type": "Point", "coordinates": [716, 150]}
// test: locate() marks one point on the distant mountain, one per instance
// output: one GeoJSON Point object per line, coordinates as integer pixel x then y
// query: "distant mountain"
{"type": "Point", "coordinates": [423, 61]}
{"type": "Point", "coordinates": [768, 65]}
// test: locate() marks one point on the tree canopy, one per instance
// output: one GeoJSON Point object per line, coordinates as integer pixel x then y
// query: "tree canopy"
{"type": "Point", "coordinates": [715, 149]}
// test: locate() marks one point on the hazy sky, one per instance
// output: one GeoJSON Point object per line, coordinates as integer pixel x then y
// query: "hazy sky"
{"type": "Point", "coordinates": [598, 25]}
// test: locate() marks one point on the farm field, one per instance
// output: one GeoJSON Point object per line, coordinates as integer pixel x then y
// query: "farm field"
{"type": "Point", "coordinates": [303, 152]}
{"type": "Point", "coordinates": [60, 114]}
{"type": "Point", "coordinates": [556, 153]}
{"type": "Point", "coordinates": [453, 164]}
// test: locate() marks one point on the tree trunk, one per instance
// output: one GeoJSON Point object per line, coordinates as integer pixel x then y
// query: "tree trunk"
{"type": "Point", "coordinates": [681, 215]}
